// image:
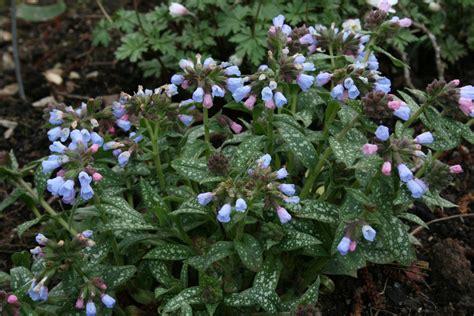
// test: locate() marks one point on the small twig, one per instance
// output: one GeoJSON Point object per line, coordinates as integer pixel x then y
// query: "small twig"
{"type": "Point", "coordinates": [436, 48]}
{"type": "Point", "coordinates": [406, 68]}
{"type": "Point", "coordinates": [102, 9]}
{"type": "Point", "coordinates": [72, 96]}
{"type": "Point", "coordinates": [419, 228]}
{"type": "Point", "coordinates": [16, 55]}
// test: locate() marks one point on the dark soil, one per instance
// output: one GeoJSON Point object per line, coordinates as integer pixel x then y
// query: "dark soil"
{"type": "Point", "coordinates": [441, 282]}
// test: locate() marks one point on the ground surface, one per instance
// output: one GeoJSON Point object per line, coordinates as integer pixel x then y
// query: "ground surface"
{"type": "Point", "coordinates": [441, 284]}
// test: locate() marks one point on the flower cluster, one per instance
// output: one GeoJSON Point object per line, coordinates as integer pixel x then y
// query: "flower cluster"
{"type": "Point", "coordinates": [349, 241]}
{"type": "Point", "coordinates": [9, 304]}
{"type": "Point", "coordinates": [96, 287]}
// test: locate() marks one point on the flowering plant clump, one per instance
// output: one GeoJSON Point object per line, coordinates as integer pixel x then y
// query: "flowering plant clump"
{"type": "Point", "coordinates": [229, 193]}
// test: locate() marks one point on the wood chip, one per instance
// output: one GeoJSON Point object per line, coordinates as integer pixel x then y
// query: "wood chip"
{"type": "Point", "coordinates": [44, 102]}
{"type": "Point", "coordinates": [10, 126]}
{"type": "Point", "coordinates": [54, 75]}
{"type": "Point", "coordinates": [9, 90]}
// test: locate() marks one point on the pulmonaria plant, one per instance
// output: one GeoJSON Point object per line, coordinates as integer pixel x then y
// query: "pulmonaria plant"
{"type": "Point", "coordinates": [203, 189]}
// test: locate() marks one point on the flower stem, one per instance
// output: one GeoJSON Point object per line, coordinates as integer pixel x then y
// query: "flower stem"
{"type": "Point", "coordinates": [206, 131]}
{"type": "Point", "coordinates": [314, 173]}
{"type": "Point", "coordinates": [331, 55]}
{"type": "Point", "coordinates": [270, 131]}
{"type": "Point", "coordinates": [156, 153]}
{"type": "Point", "coordinates": [415, 116]}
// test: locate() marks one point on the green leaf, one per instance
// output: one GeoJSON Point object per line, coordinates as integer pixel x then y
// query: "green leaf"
{"type": "Point", "coordinates": [434, 199]}
{"type": "Point", "coordinates": [22, 228]}
{"type": "Point", "coordinates": [250, 252]}
{"type": "Point", "coordinates": [246, 153]}
{"type": "Point", "coordinates": [115, 276]}
{"type": "Point", "coordinates": [11, 198]}
{"type": "Point", "coordinates": [36, 13]}
{"type": "Point", "coordinates": [132, 48]}
{"type": "Point", "coordinates": [117, 206]}
{"type": "Point", "coordinates": [100, 34]}
{"type": "Point", "coordinates": [413, 218]}
{"type": "Point", "coordinates": [319, 210]}
{"type": "Point", "coordinates": [216, 252]}
{"type": "Point", "coordinates": [170, 252]}
{"type": "Point", "coordinates": [161, 273]}
{"type": "Point", "coordinates": [186, 296]}
{"type": "Point", "coordinates": [19, 277]}
{"type": "Point", "coordinates": [192, 169]}
{"type": "Point", "coordinates": [122, 224]}
{"type": "Point", "coordinates": [295, 240]}
{"type": "Point", "coordinates": [301, 147]}
{"type": "Point", "coordinates": [268, 300]}
{"type": "Point", "coordinates": [41, 180]}
{"type": "Point", "coordinates": [395, 61]}
{"type": "Point", "coordinates": [348, 149]}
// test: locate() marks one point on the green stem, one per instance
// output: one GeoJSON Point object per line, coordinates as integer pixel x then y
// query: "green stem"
{"type": "Point", "coordinates": [206, 131]}
{"type": "Point", "coordinates": [368, 48]}
{"type": "Point", "coordinates": [156, 153]}
{"type": "Point", "coordinates": [294, 99]}
{"type": "Point", "coordinates": [422, 170]}
{"type": "Point", "coordinates": [241, 227]}
{"type": "Point", "coordinates": [470, 122]}
{"type": "Point", "coordinates": [331, 54]}
{"type": "Point", "coordinates": [270, 131]}
{"type": "Point", "coordinates": [314, 173]}
{"type": "Point", "coordinates": [47, 208]}
{"type": "Point", "coordinates": [415, 116]}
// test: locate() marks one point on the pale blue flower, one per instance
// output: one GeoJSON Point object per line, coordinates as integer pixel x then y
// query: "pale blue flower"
{"type": "Point", "coordinates": [217, 91]}
{"type": "Point", "coordinates": [382, 133]}
{"type": "Point", "coordinates": [54, 185]}
{"type": "Point", "coordinates": [240, 205]}
{"type": "Point", "coordinates": [267, 94]}
{"type": "Point", "coordinates": [343, 246]}
{"type": "Point", "coordinates": [288, 189]}
{"type": "Point", "coordinates": [232, 71]}
{"type": "Point", "coordinates": [404, 173]}
{"type": "Point", "coordinates": [198, 95]}
{"type": "Point", "coordinates": [205, 198]}
{"type": "Point", "coordinates": [281, 173]}
{"type": "Point", "coordinates": [264, 161]}
{"type": "Point", "coordinates": [337, 92]}
{"type": "Point", "coordinates": [223, 215]}
{"type": "Point", "coordinates": [241, 93]}
{"type": "Point", "coordinates": [305, 81]}
{"type": "Point", "coordinates": [108, 301]}
{"type": "Point", "coordinates": [368, 232]}
{"type": "Point", "coordinates": [177, 79]}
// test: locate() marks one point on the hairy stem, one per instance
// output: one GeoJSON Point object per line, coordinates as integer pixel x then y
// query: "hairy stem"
{"type": "Point", "coordinates": [206, 131]}
{"type": "Point", "coordinates": [156, 153]}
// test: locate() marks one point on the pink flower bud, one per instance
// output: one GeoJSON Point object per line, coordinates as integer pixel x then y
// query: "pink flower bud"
{"type": "Point", "coordinates": [369, 149]}
{"type": "Point", "coordinates": [79, 303]}
{"type": "Point", "coordinates": [185, 84]}
{"type": "Point", "coordinates": [177, 9]}
{"type": "Point", "coordinates": [207, 102]}
{"type": "Point", "coordinates": [405, 22]}
{"type": "Point", "coordinates": [289, 39]}
{"type": "Point", "coordinates": [272, 30]}
{"type": "Point", "coordinates": [387, 168]}
{"type": "Point", "coordinates": [455, 82]}
{"type": "Point", "coordinates": [61, 173]}
{"type": "Point", "coordinates": [455, 169]}
{"type": "Point", "coordinates": [94, 148]}
{"type": "Point", "coordinates": [270, 104]}
{"type": "Point", "coordinates": [12, 299]}
{"type": "Point", "coordinates": [250, 102]}
{"type": "Point", "coordinates": [466, 105]}
{"type": "Point", "coordinates": [236, 127]}
{"type": "Point", "coordinates": [353, 246]}
{"type": "Point", "coordinates": [111, 130]}
{"type": "Point", "coordinates": [97, 177]}
{"type": "Point", "coordinates": [384, 5]}
{"type": "Point", "coordinates": [418, 147]}
{"type": "Point", "coordinates": [124, 117]}
{"type": "Point", "coordinates": [394, 105]}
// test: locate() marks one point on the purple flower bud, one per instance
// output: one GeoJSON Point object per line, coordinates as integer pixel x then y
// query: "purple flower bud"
{"type": "Point", "coordinates": [264, 161]}
{"type": "Point", "coordinates": [64, 134]}
{"type": "Point", "coordinates": [424, 138]}
{"type": "Point", "coordinates": [207, 102]}
{"type": "Point", "coordinates": [368, 232]}
{"type": "Point", "coordinates": [337, 92]}
{"type": "Point", "coordinates": [118, 109]}
{"type": "Point", "coordinates": [112, 145]}
{"type": "Point", "coordinates": [108, 301]}
{"type": "Point", "coordinates": [241, 93]}
{"type": "Point", "coordinates": [404, 173]}
{"type": "Point", "coordinates": [53, 185]}
{"type": "Point", "coordinates": [223, 215]}
{"type": "Point", "coordinates": [205, 198]}
{"type": "Point", "coordinates": [209, 62]}
{"type": "Point", "coordinates": [306, 39]}
{"type": "Point", "coordinates": [124, 124]}
{"type": "Point", "coordinates": [382, 133]}
{"type": "Point", "coordinates": [344, 245]}
{"type": "Point", "coordinates": [403, 112]}
{"type": "Point", "coordinates": [292, 199]}
{"type": "Point", "coordinates": [54, 133]}
{"type": "Point", "coordinates": [171, 90]}
{"type": "Point", "coordinates": [288, 189]}
{"type": "Point", "coordinates": [240, 205]}
{"type": "Point", "coordinates": [417, 188]}
{"type": "Point", "coordinates": [217, 91]}
{"type": "Point", "coordinates": [323, 78]}
{"type": "Point", "coordinates": [90, 308]}
{"type": "Point", "coordinates": [281, 173]}
{"type": "Point", "coordinates": [369, 149]}
{"type": "Point", "coordinates": [286, 29]}
{"type": "Point", "coordinates": [278, 21]}
{"type": "Point", "coordinates": [177, 79]}
{"type": "Point", "coordinates": [38, 292]}
{"type": "Point", "coordinates": [56, 117]}
{"type": "Point", "coordinates": [41, 239]}
{"type": "Point", "coordinates": [283, 215]}
{"type": "Point", "coordinates": [267, 94]}
{"type": "Point", "coordinates": [262, 68]}
{"type": "Point", "coordinates": [185, 119]}
{"type": "Point", "coordinates": [87, 233]}
{"type": "Point", "coordinates": [232, 71]}
{"type": "Point", "coordinates": [280, 99]}
{"type": "Point", "coordinates": [123, 158]}
{"type": "Point", "coordinates": [304, 81]}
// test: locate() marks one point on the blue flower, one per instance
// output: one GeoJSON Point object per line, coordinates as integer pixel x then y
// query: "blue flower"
{"type": "Point", "coordinates": [124, 124]}
{"type": "Point", "coordinates": [171, 90]}
{"type": "Point", "coordinates": [288, 189]}
{"type": "Point", "coordinates": [223, 215]}
{"type": "Point", "coordinates": [368, 232]}
{"type": "Point", "coordinates": [323, 78]}
{"type": "Point", "coordinates": [348, 83]}
{"type": "Point", "coordinates": [281, 173]}
{"type": "Point", "coordinates": [68, 192]}
{"type": "Point", "coordinates": [186, 63]}
{"type": "Point", "coordinates": [118, 109]}
{"type": "Point", "coordinates": [241, 93]}
{"type": "Point", "coordinates": [234, 83]}
{"type": "Point", "coordinates": [198, 95]}
{"type": "Point", "coordinates": [177, 79]}
{"type": "Point", "coordinates": [56, 117]}
{"type": "Point", "coordinates": [404, 173]}
{"type": "Point", "coordinates": [305, 81]}
{"type": "Point", "coordinates": [353, 92]}
{"type": "Point", "coordinates": [41, 239]}
{"type": "Point", "coordinates": [382, 133]}
{"type": "Point", "coordinates": [64, 134]}
{"type": "Point", "coordinates": [54, 185]}
{"type": "Point", "coordinates": [278, 21]}
{"type": "Point", "coordinates": [286, 29]}
{"type": "Point", "coordinates": [308, 67]}
{"type": "Point", "coordinates": [86, 192]}
{"type": "Point", "coordinates": [343, 246]}
{"type": "Point", "coordinates": [87, 233]}
{"type": "Point", "coordinates": [264, 161]}
{"type": "Point", "coordinates": [205, 198]}
{"type": "Point", "coordinates": [54, 133]}
{"type": "Point", "coordinates": [280, 99]}
{"type": "Point", "coordinates": [267, 94]}
{"type": "Point", "coordinates": [240, 205]}
{"type": "Point", "coordinates": [217, 91]}
{"type": "Point", "coordinates": [383, 84]}
{"type": "Point", "coordinates": [77, 137]}
{"type": "Point", "coordinates": [403, 112]}
{"type": "Point", "coordinates": [97, 139]}
{"type": "Point", "coordinates": [283, 215]}
{"type": "Point", "coordinates": [467, 92]}
{"type": "Point", "coordinates": [292, 199]}
{"type": "Point", "coordinates": [108, 301]}
{"type": "Point", "coordinates": [38, 292]}
{"type": "Point", "coordinates": [123, 158]}
{"type": "Point", "coordinates": [57, 147]}
{"type": "Point", "coordinates": [112, 145]}
{"type": "Point", "coordinates": [424, 138]}
{"type": "Point", "coordinates": [90, 309]}
{"type": "Point", "coordinates": [232, 71]}
{"type": "Point", "coordinates": [299, 59]}
{"type": "Point", "coordinates": [337, 92]}
{"type": "Point", "coordinates": [417, 188]}
{"type": "Point", "coordinates": [53, 162]}
{"type": "Point", "coordinates": [209, 61]}
{"type": "Point", "coordinates": [262, 68]}
{"type": "Point", "coordinates": [186, 119]}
